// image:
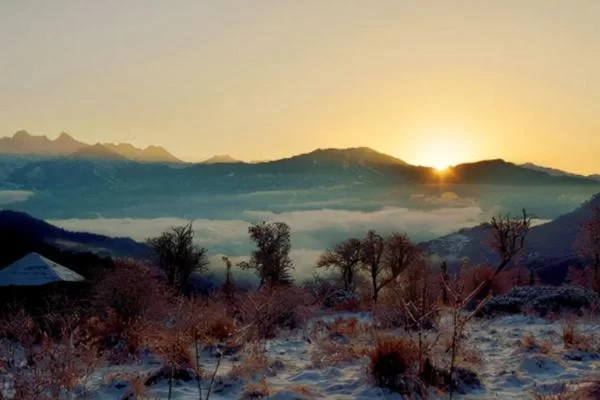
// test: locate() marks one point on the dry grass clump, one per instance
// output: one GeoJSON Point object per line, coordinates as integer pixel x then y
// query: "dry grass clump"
{"type": "Point", "coordinates": [257, 390]}
{"type": "Point", "coordinates": [220, 327]}
{"type": "Point", "coordinates": [329, 353]}
{"type": "Point", "coordinates": [348, 327]}
{"type": "Point", "coordinates": [394, 365]}
{"type": "Point", "coordinates": [586, 390]}
{"type": "Point", "coordinates": [253, 362]}
{"type": "Point", "coordinates": [529, 343]}
{"type": "Point", "coordinates": [265, 312]}
{"type": "Point", "coordinates": [574, 340]}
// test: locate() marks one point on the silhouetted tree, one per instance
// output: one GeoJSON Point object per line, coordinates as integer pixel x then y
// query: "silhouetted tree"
{"type": "Point", "coordinates": [178, 256]}
{"type": "Point", "coordinates": [228, 285]}
{"type": "Point", "coordinates": [508, 240]}
{"type": "Point", "coordinates": [345, 257]}
{"type": "Point", "coordinates": [508, 237]}
{"type": "Point", "coordinates": [385, 259]}
{"type": "Point", "coordinates": [445, 278]}
{"type": "Point", "coordinates": [271, 259]}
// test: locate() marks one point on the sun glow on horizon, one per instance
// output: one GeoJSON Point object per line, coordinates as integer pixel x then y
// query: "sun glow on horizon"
{"type": "Point", "coordinates": [441, 151]}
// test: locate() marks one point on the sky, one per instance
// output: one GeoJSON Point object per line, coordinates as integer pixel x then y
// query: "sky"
{"type": "Point", "coordinates": [430, 82]}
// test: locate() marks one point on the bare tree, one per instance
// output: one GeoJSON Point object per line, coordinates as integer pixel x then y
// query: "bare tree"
{"type": "Point", "coordinates": [271, 259]}
{"type": "Point", "coordinates": [373, 246]}
{"type": "Point", "coordinates": [385, 259]}
{"type": "Point", "coordinates": [178, 256]}
{"type": "Point", "coordinates": [228, 285]}
{"type": "Point", "coordinates": [345, 257]}
{"type": "Point", "coordinates": [508, 240]}
{"type": "Point", "coordinates": [508, 237]}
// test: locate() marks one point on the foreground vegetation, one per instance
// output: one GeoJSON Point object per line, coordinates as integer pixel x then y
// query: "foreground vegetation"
{"type": "Point", "coordinates": [413, 342]}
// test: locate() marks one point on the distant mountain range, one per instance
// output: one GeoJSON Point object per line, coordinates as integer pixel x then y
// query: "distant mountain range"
{"type": "Point", "coordinates": [558, 172]}
{"type": "Point", "coordinates": [549, 247]}
{"type": "Point", "coordinates": [23, 143]}
{"type": "Point", "coordinates": [320, 168]}
{"type": "Point", "coordinates": [221, 159]}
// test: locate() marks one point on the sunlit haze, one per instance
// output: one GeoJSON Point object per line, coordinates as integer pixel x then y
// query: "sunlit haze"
{"type": "Point", "coordinates": [431, 82]}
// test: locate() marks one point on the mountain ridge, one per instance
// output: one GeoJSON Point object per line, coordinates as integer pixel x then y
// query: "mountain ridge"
{"type": "Point", "coordinates": [558, 172]}
{"type": "Point", "coordinates": [549, 247]}
{"type": "Point", "coordinates": [65, 145]}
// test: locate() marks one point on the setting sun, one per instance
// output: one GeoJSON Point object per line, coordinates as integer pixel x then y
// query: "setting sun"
{"type": "Point", "coordinates": [441, 151]}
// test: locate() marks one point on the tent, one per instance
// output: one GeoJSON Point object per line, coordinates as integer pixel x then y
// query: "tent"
{"type": "Point", "coordinates": [36, 270]}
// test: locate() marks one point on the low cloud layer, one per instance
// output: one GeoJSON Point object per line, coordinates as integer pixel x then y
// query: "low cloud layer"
{"type": "Point", "coordinates": [14, 196]}
{"type": "Point", "coordinates": [312, 231]}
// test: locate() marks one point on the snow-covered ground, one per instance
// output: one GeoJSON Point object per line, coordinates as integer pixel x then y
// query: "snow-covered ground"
{"type": "Point", "coordinates": [507, 369]}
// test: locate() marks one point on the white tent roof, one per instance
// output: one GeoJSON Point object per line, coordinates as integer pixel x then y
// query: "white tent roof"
{"type": "Point", "coordinates": [35, 270]}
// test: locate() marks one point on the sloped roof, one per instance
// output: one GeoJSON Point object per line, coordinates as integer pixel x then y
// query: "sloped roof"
{"type": "Point", "coordinates": [36, 270]}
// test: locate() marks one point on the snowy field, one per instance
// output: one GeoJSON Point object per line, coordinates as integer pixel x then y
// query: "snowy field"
{"type": "Point", "coordinates": [508, 368]}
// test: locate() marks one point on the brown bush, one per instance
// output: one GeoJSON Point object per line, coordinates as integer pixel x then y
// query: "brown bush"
{"type": "Point", "coordinates": [270, 309]}
{"type": "Point", "coordinates": [127, 300]}
{"type": "Point", "coordinates": [131, 290]}
{"type": "Point", "coordinates": [253, 362]}
{"type": "Point", "coordinates": [327, 353]}
{"type": "Point", "coordinates": [256, 390]}
{"type": "Point", "coordinates": [572, 339]}
{"type": "Point", "coordinates": [473, 277]}
{"type": "Point", "coordinates": [529, 343]}
{"type": "Point", "coordinates": [394, 364]}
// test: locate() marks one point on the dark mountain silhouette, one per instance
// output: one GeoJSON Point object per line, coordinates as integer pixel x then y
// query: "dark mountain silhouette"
{"type": "Point", "coordinates": [23, 143]}
{"type": "Point", "coordinates": [221, 159]}
{"type": "Point", "coordinates": [557, 172]}
{"type": "Point", "coordinates": [503, 172]}
{"type": "Point", "coordinates": [36, 232]}
{"type": "Point", "coordinates": [320, 168]}
{"type": "Point", "coordinates": [98, 152]}
{"type": "Point", "coordinates": [549, 247]}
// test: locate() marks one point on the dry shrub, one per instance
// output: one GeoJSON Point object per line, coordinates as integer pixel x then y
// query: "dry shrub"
{"type": "Point", "coordinates": [253, 362]}
{"type": "Point", "coordinates": [221, 327]}
{"type": "Point", "coordinates": [529, 343]}
{"type": "Point", "coordinates": [413, 301]}
{"type": "Point", "coordinates": [256, 390]}
{"type": "Point", "coordinates": [394, 362]}
{"type": "Point", "coordinates": [57, 367]}
{"type": "Point", "coordinates": [128, 299]}
{"type": "Point", "coordinates": [585, 277]}
{"type": "Point", "coordinates": [350, 305]}
{"type": "Point", "coordinates": [473, 277]}
{"type": "Point", "coordinates": [349, 327]}
{"type": "Point", "coordinates": [319, 288]}
{"type": "Point", "coordinates": [270, 309]}
{"type": "Point", "coordinates": [328, 353]}
{"type": "Point", "coordinates": [586, 390]}
{"type": "Point", "coordinates": [574, 340]}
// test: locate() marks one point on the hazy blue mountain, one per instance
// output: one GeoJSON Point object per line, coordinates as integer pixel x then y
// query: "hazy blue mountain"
{"type": "Point", "coordinates": [357, 179]}
{"type": "Point", "coordinates": [321, 168]}
{"type": "Point", "coordinates": [549, 247]}
{"type": "Point", "coordinates": [221, 159]}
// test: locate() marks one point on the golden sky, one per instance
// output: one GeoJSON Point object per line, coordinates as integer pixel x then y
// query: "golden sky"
{"type": "Point", "coordinates": [431, 82]}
